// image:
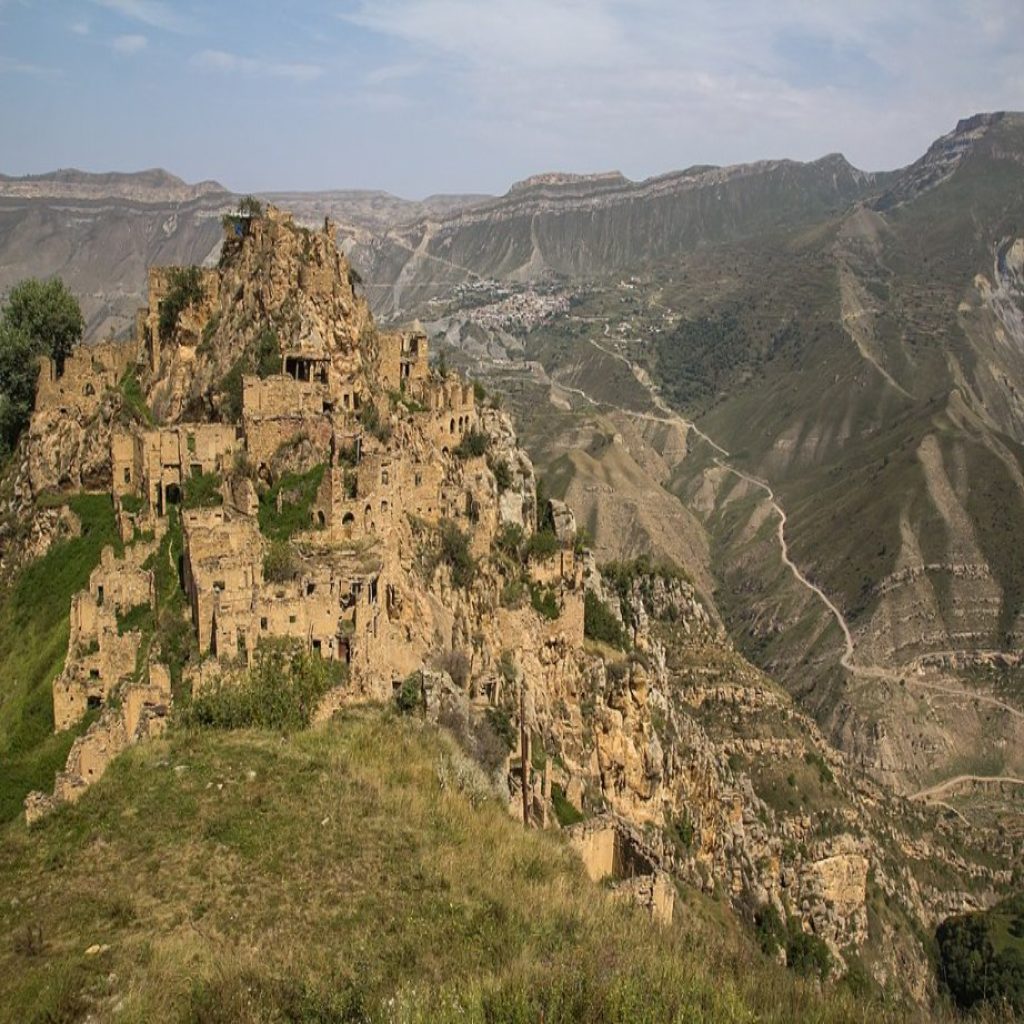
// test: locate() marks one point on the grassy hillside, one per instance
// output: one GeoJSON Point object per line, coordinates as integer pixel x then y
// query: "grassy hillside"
{"type": "Point", "coordinates": [361, 872]}
{"type": "Point", "coordinates": [33, 642]}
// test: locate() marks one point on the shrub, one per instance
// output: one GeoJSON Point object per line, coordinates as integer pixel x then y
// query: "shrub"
{"type": "Point", "coordinates": [509, 541]}
{"type": "Point", "coordinates": [261, 357]}
{"type": "Point", "coordinates": [502, 474]}
{"type": "Point", "coordinates": [266, 355]}
{"type": "Point", "coordinates": [771, 932]}
{"type": "Point", "coordinates": [134, 399]}
{"type": "Point", "coordinates": [409, 698]}
{"type": "Point", "coordinates": [202, 491]}
{"type": "Point", "coordinates": [815, 759]}
{"type": "Point", "coordinates": [477, 735]}
{"type": "Point", "coordinates": [807, 954]}
{"type": "Point", "coordinates": [456, 555]}
{"type": "Point", "coordinates": [474, 444]}
{"type": "Point", "coordinates": [600, 624]}
{"type": "Point", "coordinates": [541, 545]}
{"type": "Point", "coordinates": [503, 727]}
{"type": "Point", "coordinates": [281, 691]}
{"type": "Point", "coordinates": [544, 601]}
{"type": "Point", "coordinates": [185, 289]}
{"type": "Point", "coordinates": [680, 832]}
{"type": "Point", "coordinates": [279, 563]}
{"type": "Point", "coordinates": [135, 619]}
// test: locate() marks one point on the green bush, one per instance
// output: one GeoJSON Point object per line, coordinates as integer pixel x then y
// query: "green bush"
{"type": "Point", "coordinates": [409, 698]}
{"type": "Point", "coordinates": [807, 954]}
{"type": "Point", "coordinates": [509, 541]}
{"type": "Point", "coordinates": [134, 399]}
{"type": "Point", "coordinates": [455, 553]}
{"type": "Point", "coordinates": [279, 563]}
{"type": "Point", "coordinates": [474, 444]}
{"type": "Point", "coordinates": [281, 691]}
{"type": "Point", "coordinates": [139, 618]}
{"type": "Point", "coordinates": [502, 474]}
{"type": "Point", "coordinates": [185, 289]}
{"type": "Point", "coordinates": [373, 423]}
{"type": "Point", "coordinates": [261, 357]}
{"type": "Point", "coordinates": [541, 545]}
{"type": "Point", "coordinates": [600, 624]}
{"type": "Point", "coordinates": [544, 601]}
{"type": "Point", "coordinates": [770, 930]}
{"type": "Point", "coordinates": [202, 491]}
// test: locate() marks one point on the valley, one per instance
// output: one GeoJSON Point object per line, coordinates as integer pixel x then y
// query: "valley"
{"type": "Point", "coordinates": [738, 458]}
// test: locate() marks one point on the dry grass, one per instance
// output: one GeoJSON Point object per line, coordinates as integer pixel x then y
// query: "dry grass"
{"type": "Point", "coordinates": [346, 874]}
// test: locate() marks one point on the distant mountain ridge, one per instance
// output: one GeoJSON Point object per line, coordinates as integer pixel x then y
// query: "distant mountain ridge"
{"type": "Point", "coordinates": [154, 185]}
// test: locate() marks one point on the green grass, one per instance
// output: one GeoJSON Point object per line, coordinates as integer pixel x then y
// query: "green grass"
{"type": "Point", "coordinates": [299, 490]}
{"type": "Point", "coordinates": [33, 643]}
{"type": "Point", "coordinates": [356, 873]}
{"type": "Point", "coordinates": [134, 398]}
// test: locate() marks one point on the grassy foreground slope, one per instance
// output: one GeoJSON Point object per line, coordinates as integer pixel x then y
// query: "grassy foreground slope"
{"type": "Point", "coordinates": [33, 644]}
{"type": "Point", "coordinates": [361, 872]}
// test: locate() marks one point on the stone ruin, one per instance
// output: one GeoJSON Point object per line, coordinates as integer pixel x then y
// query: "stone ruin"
{"type": "Point", "coordinates": [611, 849]}
{"type": "Point", "coordinates": [365, 409]}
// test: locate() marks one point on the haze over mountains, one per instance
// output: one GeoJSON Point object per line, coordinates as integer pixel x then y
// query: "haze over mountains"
{"type": "Point", "coordinates": [853, 341]}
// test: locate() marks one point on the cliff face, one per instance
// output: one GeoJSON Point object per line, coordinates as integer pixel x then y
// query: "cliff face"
{"type": "Point", "coordinates": [283, 470]}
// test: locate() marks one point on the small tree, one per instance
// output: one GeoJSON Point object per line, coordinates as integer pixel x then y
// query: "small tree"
{"type": "Point", "coordinates": [48, 314]}
{"type": "Point", "coordinates": [18, 372]}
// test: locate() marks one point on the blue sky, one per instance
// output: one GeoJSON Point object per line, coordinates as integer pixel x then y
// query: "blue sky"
{"type": "Point", "coordinates": [423, 96]}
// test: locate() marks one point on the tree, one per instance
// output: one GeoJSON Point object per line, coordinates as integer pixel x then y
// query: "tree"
{"type": "Point", "coordinates": [18, 371]}
{"type": "Point", "coordinates": [48, 314]}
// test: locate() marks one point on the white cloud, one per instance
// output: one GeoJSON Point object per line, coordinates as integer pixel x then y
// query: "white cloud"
{"type": "Point", "coordinates": [393, 73]}
{"type": "Point", "coordinates": [13, 66]}
{"type": "Point", "coordinates": [79, 28]}
{"type": "Point", "coordinates": [657, 82]}
{"type": "Point", "coordinates": [232, 63]}
{"type": "Point", "coordinates": [154, 13]}
{"type": "Point", "coordinates": [129, 44]}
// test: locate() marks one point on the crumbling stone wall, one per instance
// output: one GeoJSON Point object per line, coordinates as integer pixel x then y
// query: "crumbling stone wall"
{"type": "Point", "coordinates": [99, 657]}
{"type": "Point", "coordinates": [88, 372]}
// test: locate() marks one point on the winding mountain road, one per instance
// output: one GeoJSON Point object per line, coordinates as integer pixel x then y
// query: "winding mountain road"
{"type": "Point", "coordinates": [946, 785]}
{"type": "Point", "coordinates": [671, 417]}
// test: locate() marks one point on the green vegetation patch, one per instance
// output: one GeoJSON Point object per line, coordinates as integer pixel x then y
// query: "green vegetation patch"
{"type": "Point", "coordinates": [33, 643]}
{"type": "Point", "coordinates": [473, 445]}
{"type": "Point", "coordinates": [262, 358]}
{"type": "Point", "coordinates": [600, 624]}
{"type": "Point", "coordinates": [203, 491]}
{"type": "Point", "coordinates": [134, 399]}
{"type": "Point", "coordinates": [297, 492]}
{"type": "Point", "coordinates": [281, 691]}
{"type": "Point", "coordinates": [185, 289]}
{"type": "Point", "coordinates": [981, 955]}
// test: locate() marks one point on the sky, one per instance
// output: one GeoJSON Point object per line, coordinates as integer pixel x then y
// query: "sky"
{"type": "Point", "coordinates": [461, 96]}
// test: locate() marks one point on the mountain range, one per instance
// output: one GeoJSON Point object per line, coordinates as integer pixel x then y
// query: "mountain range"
{"type": "Point", "coordinates": [719, 350]}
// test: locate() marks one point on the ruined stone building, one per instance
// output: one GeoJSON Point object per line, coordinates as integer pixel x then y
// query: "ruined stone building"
{"type": "Point", "coordinates": [275, 395]}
